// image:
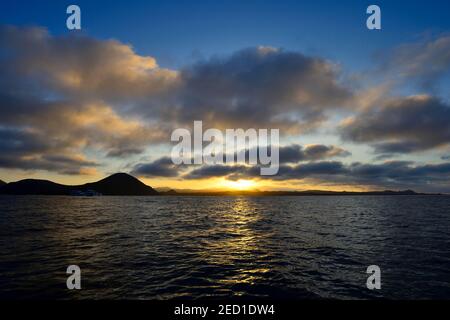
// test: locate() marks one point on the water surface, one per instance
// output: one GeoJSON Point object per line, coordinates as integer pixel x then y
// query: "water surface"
{"type": "Point", "coordinates": [222, 247]}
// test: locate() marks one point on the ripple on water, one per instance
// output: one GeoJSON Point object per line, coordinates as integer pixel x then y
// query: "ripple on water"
{"type": "Point", "coordinates": [210, 247]}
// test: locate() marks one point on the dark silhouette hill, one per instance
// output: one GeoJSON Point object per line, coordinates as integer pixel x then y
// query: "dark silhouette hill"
{"type": "Point", "coordinates": [33, 186]}
{"type": "Point", "coordinates": [122, 184]}
{"type": "Point", "coordinates": [119, 184]}
{"type": "Point", "coordinates": [2, 183]}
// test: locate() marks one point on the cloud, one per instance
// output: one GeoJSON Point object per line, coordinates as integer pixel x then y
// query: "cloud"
{"type": "Point", "coordinates": [401, 125]}
{"type": "Point", "coordinates": [57, 128]}
{"type": "Point", "coordinates": [30, 150]}
{"type": "Point", "coordinates": [402, 174]}
{"type": "Point", "coordinates": [74, 166]}
{"type": "Point", "coordinates": [391, 174]}
{"type": "Point", "coordinates": [80, 66]}
{"type": "Point", "coordinates": [236, 172]}
{"type": "Point", "coordinates": [295, 153]}
{"type": "Point", "coordinates": [162, 167]}
{"type": "Point", "coordinates": [259, 87]}
{"type": "Point", "coordinates": [69, 94]}
{"type": "Point", "coordinates": [59, 98]}
{"type": "Point", "coordinates": [99, 126]}
{"type": "Point", "coordinates": [316, 169]}
{"type": "Point", "coordinates": [27, 150]}
{"type": "Point", "coordinates": [425, 62]}
{"type": "Point", "coordinates": [214, 171]}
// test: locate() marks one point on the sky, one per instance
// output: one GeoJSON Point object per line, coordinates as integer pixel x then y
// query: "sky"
{"type": "Point", "coordinates": [357, 109]}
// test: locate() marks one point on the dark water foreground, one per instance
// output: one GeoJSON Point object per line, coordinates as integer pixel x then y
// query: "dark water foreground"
{"type": "Point", "coordinates": [220, 247]}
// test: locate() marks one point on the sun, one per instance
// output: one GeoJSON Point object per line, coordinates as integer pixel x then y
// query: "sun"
{"type": "Point", "coordinates": [240, 184]}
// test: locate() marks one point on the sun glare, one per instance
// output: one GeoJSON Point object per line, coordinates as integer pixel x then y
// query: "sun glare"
{"type": "Point", "coordinates": [240, 184]}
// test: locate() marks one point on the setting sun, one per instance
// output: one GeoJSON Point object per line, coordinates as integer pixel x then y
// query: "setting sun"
{"type": "Point", "coordinates": [240, 184]}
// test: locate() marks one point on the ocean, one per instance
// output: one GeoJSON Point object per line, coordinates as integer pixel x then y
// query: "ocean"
{"type": "Point", "coordinates": [180, 247]}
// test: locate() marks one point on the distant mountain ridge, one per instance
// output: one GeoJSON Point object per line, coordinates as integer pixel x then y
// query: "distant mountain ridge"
{"type": "Point", "coordinates": [122, 184]}
{"type": "Point", "coordinates": [300, 193]}
{"type": "Point", "coordinates": [119, 184]}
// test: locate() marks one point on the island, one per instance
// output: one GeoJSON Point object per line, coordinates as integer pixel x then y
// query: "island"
{"type": "Point", "coordinates": [123, 184]}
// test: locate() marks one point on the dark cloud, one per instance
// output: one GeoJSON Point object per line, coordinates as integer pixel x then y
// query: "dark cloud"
{"type": "Point", "coordinates": [402, 125]}
{"type": "Point", "coordinates": [64, 165]}
{"type": "Point", "coordinates": [391, 174]}
{"type": "Point", "coordinates": [29, 150]}
{"type": "Point", "coordinates": [312, 169]}
{"type": "Point", "coordinates": [402, 174]}
{"type": "Point", "coordinates": [260, 87]}
{"type": "Point", "coordinates": [15, 142]}
{"type": "Point", "coordinates": [394, 174]}
{"type": "Point", "coordinates": [162, 167]}
{"type": "Point", "coordinates": [251, 172]}
{"type": "Point", "coordinates": [124, 151]}
{"type": "Point", "coordinates": [320, 152]}
{"type": "Point", "coordinates": [213, 171]}
{"type": "Point", "coordinates": [295, 153]}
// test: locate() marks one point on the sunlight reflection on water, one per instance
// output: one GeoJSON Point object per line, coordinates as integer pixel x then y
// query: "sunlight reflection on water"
{"type": "Point", "coordinates": [197, 247]}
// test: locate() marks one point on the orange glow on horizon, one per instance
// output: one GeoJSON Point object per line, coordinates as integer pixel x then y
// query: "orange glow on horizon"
{"type": "Point", "coordinates": [210, 184]}
{"type": "Point", "coordinates": [241, 184]}
{"type": "Point", "coordinates": [222, 184]}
